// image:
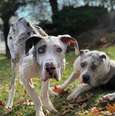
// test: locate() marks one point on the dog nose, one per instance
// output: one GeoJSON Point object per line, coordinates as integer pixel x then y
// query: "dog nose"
{"type": "Point", "coordinates": [86, 78]}
{"type": "Point", "coordinates": [50, 68]}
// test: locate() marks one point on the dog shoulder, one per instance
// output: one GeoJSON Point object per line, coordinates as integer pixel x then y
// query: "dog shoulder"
{"type": "Point", "coordinates": [112, 63]}
{"type": "Point", "coordinates": [111, 77]}
{"type": "Point", "coordinates": [28, 60]}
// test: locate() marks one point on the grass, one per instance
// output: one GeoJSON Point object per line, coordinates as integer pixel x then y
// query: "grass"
{"type": "Point", "coordinates": [62, 105]}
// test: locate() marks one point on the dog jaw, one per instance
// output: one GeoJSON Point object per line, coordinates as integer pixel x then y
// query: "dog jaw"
{"type": "Point", "coordinates": [55, 75]}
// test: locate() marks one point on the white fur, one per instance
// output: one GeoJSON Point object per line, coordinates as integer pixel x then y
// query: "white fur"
{"type": "Point", "coordinates": [100, 76]}
{"type": "Point", "coordinates": [34, 63]}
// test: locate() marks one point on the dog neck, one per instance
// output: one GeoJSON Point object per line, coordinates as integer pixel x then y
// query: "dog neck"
{"type": "Point", "coordinates": [111, 74]}
{"type": "Point", "coordinates": [110, 82]}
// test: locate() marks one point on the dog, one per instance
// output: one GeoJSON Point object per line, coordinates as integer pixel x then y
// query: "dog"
{"type": "Point", "coordinates": [93, 69]}
{"type": "Point", "coordinates": [33, 52]}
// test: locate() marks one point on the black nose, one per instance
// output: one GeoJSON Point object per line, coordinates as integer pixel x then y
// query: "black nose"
{"type": "Point", "coordinates": [50, 68]}
{"type": "Point", "coordinates": [86, 78]}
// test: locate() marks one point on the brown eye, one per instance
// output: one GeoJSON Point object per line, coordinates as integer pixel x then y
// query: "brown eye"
{"type": "Point", "coordinates": [42, 49]}
{"type": "Point", "coordinates": [83, 64]}
{"type": "Point", "coordinates": [93, 67]}
{"type": "Point", "coordinates": [10, 37]}
{"type": "Point", "coordinates": [59, 50]}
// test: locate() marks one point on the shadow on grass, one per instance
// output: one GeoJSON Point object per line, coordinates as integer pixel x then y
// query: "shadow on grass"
{"type": "Point", "coordinates": [72, 108]}
{"type": "Point", "coordinates": [5, 71]}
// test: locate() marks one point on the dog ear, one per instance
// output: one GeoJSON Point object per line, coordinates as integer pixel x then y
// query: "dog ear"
{"type": "Point", "coordinates": [41, 31]}
{"type": "Point", "coordinates": [84, 51]}
{"type": "Point", "coordinates": [103, 56]}
{"type": "Point", "coordinates": [31, 41]}
{"type": "Point", "coordinates": [70, 41]}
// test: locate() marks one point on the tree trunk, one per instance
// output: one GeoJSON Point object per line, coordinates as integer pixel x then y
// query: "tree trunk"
{"type": "Point", "coordinates": [54, 7]}
{"type": "Point", "coordinates": [5, 31]}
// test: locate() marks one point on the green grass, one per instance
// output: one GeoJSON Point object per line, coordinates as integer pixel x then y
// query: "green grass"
{"type": "Point", "coordinates": [62, 105]}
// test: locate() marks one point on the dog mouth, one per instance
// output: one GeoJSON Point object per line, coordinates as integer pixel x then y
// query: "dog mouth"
{"type": "Point", "coordinates": [52, 75]}
{"type": "Point", "coordinates": [86, 82]}
{"type": "Point", "coordinates": [45, 75]}
{"type": "Point", "coordinates": [85, 79]}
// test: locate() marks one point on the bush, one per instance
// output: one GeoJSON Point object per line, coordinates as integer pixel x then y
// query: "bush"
{"type": "Point", "coordinates": [79, 23]}
{"type": "Point", "coordinates": [77, 20]}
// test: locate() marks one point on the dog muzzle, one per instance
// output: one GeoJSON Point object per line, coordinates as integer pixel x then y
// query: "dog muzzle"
{"type": "Point", "coordinates": [51, 72]}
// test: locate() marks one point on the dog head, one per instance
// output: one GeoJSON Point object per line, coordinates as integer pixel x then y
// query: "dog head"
{"type": "Point", "coordinates": [94, 65]}
{"type": "Point", "coordinates": [49, 53]}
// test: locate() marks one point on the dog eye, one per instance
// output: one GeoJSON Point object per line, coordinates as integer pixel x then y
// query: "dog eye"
{"type": "Point", "coordinates": [42, 50]}
{"type": "Point", "coordinates": [83, 64]}
{"type": "Point", "coordinates": [93, 67]}
{"type": "Point", "coordinates": [59, 50]}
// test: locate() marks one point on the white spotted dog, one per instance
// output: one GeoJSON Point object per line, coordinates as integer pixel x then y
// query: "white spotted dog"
{"type": "Point", "coordinates": [93, 69]}
{"type": "Point", "coordinates": [46, 58]}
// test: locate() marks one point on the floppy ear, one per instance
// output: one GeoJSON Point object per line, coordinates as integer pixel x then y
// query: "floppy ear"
{"type": "Point", "coordinates": [70, 41]}
{"type": "Point", "coordinates": [103, 56]}
{"type": "Point", "coordinates": [31, 41]}
{"type": "Point", "coordinates": [41, 31]}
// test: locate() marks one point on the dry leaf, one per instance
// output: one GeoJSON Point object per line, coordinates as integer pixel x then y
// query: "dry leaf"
{"type": "Point", "coordinates": [110, 108]}
{"type": "Point", "coordinates": [58, 89]}
{"type": "Point", "coordinates": [2, 104]}
{"type": "Point", "coordinates": [95, 111]}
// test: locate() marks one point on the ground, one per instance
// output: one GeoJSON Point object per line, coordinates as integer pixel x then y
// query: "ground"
{"type": "Point", "coordinates": [80, 107]}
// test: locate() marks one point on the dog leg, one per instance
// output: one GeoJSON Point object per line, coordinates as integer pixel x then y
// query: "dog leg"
{"type": "Point", "coordinates": [72, 77]}
{"type": "Point", "coordinates": [12, 87]}
{"type": "Point", "coordinates": [45, 96]}
{"type": "Point", "coordinates": [60, 88]}
{"type": "Point", "coordinates": [82, 88]}
{"type": "Point", "coordinates": [110, 97]}
{"type": "Point", "coordinates": [35, 98]}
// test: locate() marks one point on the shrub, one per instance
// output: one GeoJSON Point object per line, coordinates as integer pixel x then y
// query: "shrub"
{"type": "Point", "coordinates": [76, 20]}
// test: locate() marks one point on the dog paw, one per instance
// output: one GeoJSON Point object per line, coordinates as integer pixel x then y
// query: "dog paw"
{"type": "Point", "coordinates": [71, 97]}
{"type": "Point", "coordinates": [107, 98]}
{"type": "Point", "coordinates": [40, 113]}
{"type": "Point", "coordinates": [8, 109]}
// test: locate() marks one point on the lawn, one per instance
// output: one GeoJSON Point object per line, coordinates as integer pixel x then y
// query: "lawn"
{"type": "Point", "coordinates": [62, 105]}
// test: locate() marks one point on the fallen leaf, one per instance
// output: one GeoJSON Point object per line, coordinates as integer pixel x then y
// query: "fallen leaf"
{"type": "Point", "coordinates": [110, 108]}
{"type": "Point", "coordinates": [95, 111]}
{"type": "Point", "coordinates": [57, 89]}
{"type": "Point", "coordinates": [2, 104]}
